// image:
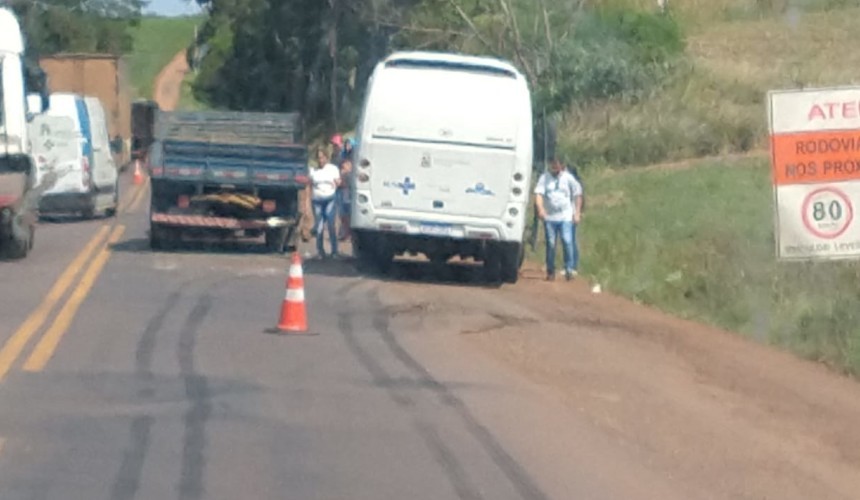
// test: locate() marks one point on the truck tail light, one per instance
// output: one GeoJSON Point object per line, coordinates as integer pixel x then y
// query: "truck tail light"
{"type": "Point", "coordinates": [269, 206]}
{"type": "Point", "coordinates": [156, 171]}
{"type": "Point", "coordinates": [302, 179]}
{"type": "Point", "coordinates": [364, 163]}
{"type": "Point", "coordinates": [363, 177]}
{"type": "Point", "coordinates": [183, 201]}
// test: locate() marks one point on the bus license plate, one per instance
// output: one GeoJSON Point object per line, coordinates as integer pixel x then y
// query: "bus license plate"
{"type": "Point", "coordinates": [436, 229]}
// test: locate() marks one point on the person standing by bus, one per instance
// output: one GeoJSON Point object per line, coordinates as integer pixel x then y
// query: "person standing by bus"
{"type": "Point", "coordinates": [325, 179]}
{"type": "Point", "coordinates": [559, 206]}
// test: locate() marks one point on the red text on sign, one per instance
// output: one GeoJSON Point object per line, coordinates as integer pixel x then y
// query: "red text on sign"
{"type": "Point", "coordinates": [832, 110]}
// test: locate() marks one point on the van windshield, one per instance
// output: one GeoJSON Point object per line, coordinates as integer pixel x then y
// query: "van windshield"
{"type": "Point", "coordinates": [444, 106]}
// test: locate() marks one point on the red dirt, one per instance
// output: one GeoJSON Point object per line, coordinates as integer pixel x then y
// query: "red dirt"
{"type": "Point", "coordinates": [708, 409]}
{"type": "Point", "coordinates": [168, 83]}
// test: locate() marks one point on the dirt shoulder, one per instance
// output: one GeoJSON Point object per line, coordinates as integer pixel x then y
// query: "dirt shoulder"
{"type": "Point", "coordinates": [706, 408]}
{"type": "Point", "coordinates": [168, 83]}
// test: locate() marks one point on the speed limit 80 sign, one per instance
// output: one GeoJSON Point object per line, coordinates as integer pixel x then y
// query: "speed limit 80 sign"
{"type": "Point", "coordinates": [815, 152]}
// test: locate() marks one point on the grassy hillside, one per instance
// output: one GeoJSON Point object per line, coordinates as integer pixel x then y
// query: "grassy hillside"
{"type": "Point", "coordinates": [715, 102]}
{"type": "Point", "coordinates": [156, 42]}
{"type": "Point", "coordinates": [696, 239]}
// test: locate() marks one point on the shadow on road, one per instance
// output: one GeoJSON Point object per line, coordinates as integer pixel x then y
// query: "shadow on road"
{"type": "Point", "coordinates": [402, 270]}
{"type": "Point", "coordinates": [58, 219]}
{"type": "Point", "coordinates": [410, 271]}
{"type": "Point", "coordinates": [227, 247]}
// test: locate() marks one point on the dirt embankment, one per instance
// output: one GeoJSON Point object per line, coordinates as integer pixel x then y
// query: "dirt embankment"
{"type": "Point", "coordinates": [714, 411]}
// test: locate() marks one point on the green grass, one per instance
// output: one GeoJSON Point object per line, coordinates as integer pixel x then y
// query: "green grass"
{"type": "Point", "coordinates": [698, 242]}
{"type": "Point", "coordinates": [715, 102]}
{"type": "Point", "coordinates": [156, 41]}
{"type": "Point", "coordinates": [187, 101]}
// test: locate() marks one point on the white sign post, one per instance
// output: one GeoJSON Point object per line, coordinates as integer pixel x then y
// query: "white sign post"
{"type": "Point", "coordinates": [815, 152]}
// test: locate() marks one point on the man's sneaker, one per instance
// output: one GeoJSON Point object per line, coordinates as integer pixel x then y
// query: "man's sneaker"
{"type": "Point", "coordinates": [550, 276]}
{"type": "Point", "coordinates": [569, 275]}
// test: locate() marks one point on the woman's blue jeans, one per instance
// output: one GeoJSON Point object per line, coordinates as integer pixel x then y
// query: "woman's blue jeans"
{"type": "Point", "coordinates": [325, 211]}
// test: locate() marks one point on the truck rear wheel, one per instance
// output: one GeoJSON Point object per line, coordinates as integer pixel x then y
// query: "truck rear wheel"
{"type": "Point", "coordinates": [161, 238]}
{"type": "Point", "coordinates": [276, 239]}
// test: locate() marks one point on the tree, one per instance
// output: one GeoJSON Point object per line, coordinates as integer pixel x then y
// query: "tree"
{"type": "Point", "coordinates": [53, 26]}
{"type": "Point", "coordinates": [315, 56]}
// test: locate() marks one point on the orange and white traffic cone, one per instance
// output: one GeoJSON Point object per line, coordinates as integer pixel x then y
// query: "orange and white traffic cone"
{"type": "Point", "coordinates": [138, 175]}
{"type": "Point", "coordinates": [294, 316]}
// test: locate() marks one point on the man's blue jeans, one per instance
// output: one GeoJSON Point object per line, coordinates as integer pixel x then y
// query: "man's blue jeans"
{"type": "Point", "coordinates": [324, 216]}
{"type": "Point", "coordinates": [567, 229]}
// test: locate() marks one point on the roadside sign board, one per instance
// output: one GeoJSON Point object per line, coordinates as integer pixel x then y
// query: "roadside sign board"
{"type": "Point", "coordinates": [815, 153]}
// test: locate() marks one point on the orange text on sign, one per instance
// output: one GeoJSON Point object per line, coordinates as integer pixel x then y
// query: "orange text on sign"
{"type": "Point", "coordinates": [812, 157]}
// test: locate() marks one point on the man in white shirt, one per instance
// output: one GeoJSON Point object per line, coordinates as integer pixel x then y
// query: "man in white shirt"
{"type": "Point", "coordinates": [559, 205]}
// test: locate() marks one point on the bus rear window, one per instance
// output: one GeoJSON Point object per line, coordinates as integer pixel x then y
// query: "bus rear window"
{"type": "Point", "coordinates": [451, 107]}
{"type": "Point", "coordinates": [450, 66]}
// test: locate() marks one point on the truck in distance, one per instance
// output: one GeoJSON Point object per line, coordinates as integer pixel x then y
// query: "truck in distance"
{"type": "Point", "coordinates": [227, 175]}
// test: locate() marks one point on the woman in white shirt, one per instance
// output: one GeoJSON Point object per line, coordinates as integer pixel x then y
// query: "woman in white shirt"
{"type": "Point", "coordinates": [325, 179]}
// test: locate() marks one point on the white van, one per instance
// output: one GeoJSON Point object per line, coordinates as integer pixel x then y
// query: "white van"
{"type": "Point", "coordinates": [105, 172]}
{"type": "Point", "coordinates": [90, 182]}
{"type": "Point", "coordinates": [443, 162]}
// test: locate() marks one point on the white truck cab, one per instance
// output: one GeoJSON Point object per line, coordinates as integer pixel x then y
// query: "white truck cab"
{"type": "Point", "coordinates": [17, 203]}
{"type": "Point", "coordinates": [443, 161]}
{"type": "Point", "coordinates": [13, 112]}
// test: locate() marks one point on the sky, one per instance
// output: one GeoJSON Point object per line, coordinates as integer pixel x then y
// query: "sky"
{"type": "Point", "coordinates": [172, 7]}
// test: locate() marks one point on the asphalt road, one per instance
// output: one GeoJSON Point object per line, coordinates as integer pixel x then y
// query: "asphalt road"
{"type": "Point", "coordinates": [128, 374]}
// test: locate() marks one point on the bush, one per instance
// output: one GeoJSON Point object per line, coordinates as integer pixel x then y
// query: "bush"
{"type": "Point", "coordinates": [611, 53]}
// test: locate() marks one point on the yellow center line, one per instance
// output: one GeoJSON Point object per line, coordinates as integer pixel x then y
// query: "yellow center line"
{"type": "Point", "coordinates": [135, 203]}
{"type": "Point", "coordinates": [123, 206]}
{"type": "Point", "coordinates": [16, 343]}
{"type": "Point", "coordinates": [44, 350]}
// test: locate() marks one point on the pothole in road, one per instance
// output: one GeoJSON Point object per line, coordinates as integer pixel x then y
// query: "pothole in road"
{"type": "Point", "coordinates": [498, 321]}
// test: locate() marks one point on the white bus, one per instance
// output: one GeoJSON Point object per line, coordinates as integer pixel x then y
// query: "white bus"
{"type": "Point", "coordinates": [443, 162]}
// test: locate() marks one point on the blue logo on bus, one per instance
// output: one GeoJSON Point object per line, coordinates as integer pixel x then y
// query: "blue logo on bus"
{"type": "Point", "coordinates": [406, 185]}
{"type": "Point", "coordinates": [480, 189]}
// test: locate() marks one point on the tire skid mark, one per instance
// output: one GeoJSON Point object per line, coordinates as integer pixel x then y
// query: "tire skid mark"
{"type": "Point", "coordinates": [513, 470]}
{"type": "Point", "coordinates": [146, 344]}
{"type": "Point", "coordinates": [191, 486]}
{"type": "Point", "coordinates": [448, 461]}
{"type": "Point", "coordinates": [127, 481]}
{"type": "Point", "coordinates": [443, 455]}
